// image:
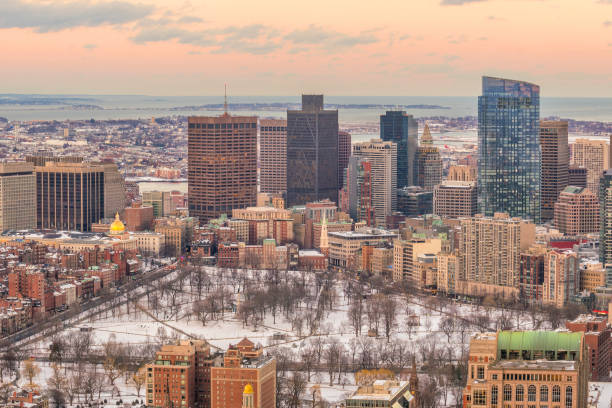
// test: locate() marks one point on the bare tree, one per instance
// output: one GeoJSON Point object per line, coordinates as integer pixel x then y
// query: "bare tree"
{"type": "Point", "coordinates": [139, 378]}
{"type": "Point", "coordinates": [332, 355]}
{"type": "Point", "coordinates": [389, 313]}
{"type": "Point", "coordinates": [30, 371]}
{"type": "Point", "coordinates": [296, 388]}
{"type": "Point", "coordinates": [447, 325]}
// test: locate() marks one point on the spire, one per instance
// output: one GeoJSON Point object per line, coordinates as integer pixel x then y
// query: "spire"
{"type": "Point", "coordinates": [426, 138]}
{"type": "Point", "coordinates": [324, 241]}
{"type": "Point", "coordinates": [225, 101]}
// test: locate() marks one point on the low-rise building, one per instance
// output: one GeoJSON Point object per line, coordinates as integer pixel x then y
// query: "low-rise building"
{"type": "Point", "coordinates": [344, 247]}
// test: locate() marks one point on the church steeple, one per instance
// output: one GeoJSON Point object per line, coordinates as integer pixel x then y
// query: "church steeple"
{"type": "Point", "coordinates": [324, 241]}
{"type": "Point", "coordinates": [426, 138]}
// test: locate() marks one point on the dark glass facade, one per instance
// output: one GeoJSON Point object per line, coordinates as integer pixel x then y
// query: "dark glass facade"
{"type": "Point", "coordinates": [312, 152]}
{"type": "Point", "coordinates": [605, 219]}
{"type": "Point", "coordinates": [402, 129]}
{"type": "Point", "coordinates": [509, 155]}
{"type": "Point", "coordinates": [414, 201]}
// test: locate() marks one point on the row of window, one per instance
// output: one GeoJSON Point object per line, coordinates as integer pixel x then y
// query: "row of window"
{"type": "Point", "coordinates": [223, 126]}
{"type": "Point", "coordinates": [519, 394]}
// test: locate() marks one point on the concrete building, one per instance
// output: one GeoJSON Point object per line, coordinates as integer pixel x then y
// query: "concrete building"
{"type": "Point", "coordinates": [222, 164]}
{"type": "Point", "coordinates": [455, 199]}
{"type": "Point", "coordinates": [273, 156]}
{"type": "Point", "coordinates": [490, 248]}
{"type": "Point", "coordinates": [448, 272]}
{"type": "Point", "coordinates": [17, 196]}
{"type": "Point", "coordinates": [577, 211]}
{"type": "Point", "coordinates": [345, 247]}
{"type": "Point", "coordinates": [428, 165]}
{"type": "Point", "coordinates": [149, 243]}
{"type": "Point", "coordinates": [114, 190]}
{"type": "Point", "coordinates": [344, 153]}
{"type": "Point", "coordinates": [577, 176]}
{"type": "Point", "coordinates": [382, 393]}
{"type": "Point", "coordinates": [312, 152]}
{"type": "Point", "coordinates": [561, 277]}
{"type": "Point", "coordinates": [605, 221]}
{"type": "Point", "coordinates": [536, 368]}
{"type": "Point", "coordinates": [597, 334]}
{"type": "Point", "coordinates": [161, 201]}
{"type": "Point", "coordinates": [274, 223]}
{"type": "Point", "coordinates": [414, 201]}
{"type": "Point", "coordinates": [383, 159]}
{"type": "Point", "coordinates": [177, 233]}
{"type": "Point", "coordinates": [69, 196]}
{"type": "Point", "coordinates": [555, 164]}
{"type": "Point", "coordinates": [401, 129]}
{"type": "Point", "coordinates": [592, 276]}
{"type": "Point", "coordinates": [243, 364]}
{"type": "Point", "coordinates": [462, 173]}
{"type": "Point", "coordinates": [406, 254]}
{"type": "Point", "coordinates": [593, 155]}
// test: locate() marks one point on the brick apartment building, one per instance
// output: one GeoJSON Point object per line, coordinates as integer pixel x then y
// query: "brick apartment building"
{"type": "Point", "coordinates": [597, 338]}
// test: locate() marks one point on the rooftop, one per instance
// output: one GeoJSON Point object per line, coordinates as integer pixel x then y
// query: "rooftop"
{"type": "Point", "coordinates": [562, 365]}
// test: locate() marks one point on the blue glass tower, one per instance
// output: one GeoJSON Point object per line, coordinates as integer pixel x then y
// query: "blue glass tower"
{"type": "Point", "coordinates": [402, 129]}
{"type": "Point", "coordinates": [509, 155]}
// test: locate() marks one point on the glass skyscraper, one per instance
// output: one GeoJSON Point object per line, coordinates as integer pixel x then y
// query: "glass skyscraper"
{"type": "Point", "coordinates": [402, 129]}
{"type": "Point", "coordinates": [509, 156]}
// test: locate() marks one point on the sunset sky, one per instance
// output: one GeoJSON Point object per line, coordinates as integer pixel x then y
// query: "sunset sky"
{"type": "Point", "coordinates": [336, 47]}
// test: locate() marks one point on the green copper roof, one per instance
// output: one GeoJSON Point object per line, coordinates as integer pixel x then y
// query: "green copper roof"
{"type": "Point", "coordinates": [538, 341]}
{"type": "Point", "coordinates": [573, 189]}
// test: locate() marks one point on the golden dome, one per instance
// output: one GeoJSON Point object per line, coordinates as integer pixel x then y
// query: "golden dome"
{"type": "Point", "coordinates": [117, 226]}
{"type": "Point", "coordinates": [248, 389]}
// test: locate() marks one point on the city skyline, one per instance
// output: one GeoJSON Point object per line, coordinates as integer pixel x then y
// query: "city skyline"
{"type": "Point", "coordinates": [154, 47]}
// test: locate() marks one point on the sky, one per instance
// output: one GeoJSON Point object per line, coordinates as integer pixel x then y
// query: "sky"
{"type": "Point", "coordinates": [273, 47]}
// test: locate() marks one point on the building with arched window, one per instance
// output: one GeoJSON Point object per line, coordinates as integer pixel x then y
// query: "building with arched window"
{"type": "Point", "coordinates": [527, 368]}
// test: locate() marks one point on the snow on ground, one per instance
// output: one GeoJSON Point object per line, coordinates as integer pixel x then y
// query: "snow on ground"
{"type": "Point", "coordinates": [600, 394]}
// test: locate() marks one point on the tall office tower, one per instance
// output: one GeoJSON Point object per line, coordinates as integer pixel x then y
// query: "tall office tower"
{"type": "Point", "coordinates": [605, 221]}
{"type": "Point", "coordinates": [593, 155]}
{"type": "Point", "coordinates": [577, 211]}
{"type": "Point", "coordinates": [344, 152]}
{"type": "Point", "coordinates": [312, 152]}
{"type": "Point", "coordinates": [462, 173]}
{"type": "Point", "coordinates": [455, 199]}
{"type": "Point", "coordinates": [114, 190]}
{"type": "Point", "coordinates": [428, 164]}
{"type": "Point", "coordinates": [509, 148]}
{"type": "Point", "coordinates": [490, 248]}
{"type": "Point", "coordinates": [69, 196]}
{"type": "Point", "coordinates": [401, 129]}
{"type": "Point", "coordinates": [222, 164]}
{"type": "Point", "coordinates": [383, 158]}
{"type": "Point", "coordinates": [578, 177]}
{"type": "Point", "coordinates": [17, 196]}
{"type": "Point", "coordinates": [161, 201]}
{"type": "Point", "coordinates": [555, 164]}
{"type": "Point", "coordinates": [273, 156]}
{"type": "Point", "coordinates": [561, 277]}
{"type": "Point", "coordinates": [358, 190]}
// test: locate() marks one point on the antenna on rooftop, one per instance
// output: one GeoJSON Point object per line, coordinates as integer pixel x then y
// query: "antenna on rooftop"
{"type": "Point", "coordinates": [225, 100]}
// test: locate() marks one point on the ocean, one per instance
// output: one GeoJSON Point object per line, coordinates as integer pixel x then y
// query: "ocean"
{"type": "Point", "coordinates": [78, 107]}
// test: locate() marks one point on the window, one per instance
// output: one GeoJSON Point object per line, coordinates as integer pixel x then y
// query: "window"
{"type": "Point", "coordinates": [494, 395]}
{"type": "Point", "coordinates": [480, 397]}
{"type": "Point", "coordinates": [531, 393]}
{"type": "Point", "coordinates": [507, 392]}
{"type": "Point", "coordinates": [520, 393]}
{"type": "Point", "coordinates": [569, 397]}
{"type": "Point", "coordinates": [480, 372]}
{"type": "Point", "coordinates": [543, 393]}
{"type": "Point", "coordinates": [556, 394]}
{"type": "Point", "coordinates": [494, 376]}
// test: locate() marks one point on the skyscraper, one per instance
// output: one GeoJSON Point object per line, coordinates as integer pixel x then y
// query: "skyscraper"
{"type": "Point", "coordinates": [69, 196]}
{"type": "Point", "coordinates": [358, 190]}
{"type": "Point", "coordinates": [428, 164]}
{"type": "Point", "coordinates": [344, 152]}
{"type": "Point", "coordinates": [509, 154]}
{"type": "Point", "coordinates": [605, 220]}
{"type": "Point", "coordinates": [383, 158]}
{"type": "Point", "coordinates": [594, 155]}
{"type": "Point", "coordinates": [402, 129]}
{"type": "Point", "coordinates": [555, 164]}
{"type": "Point", "coordinates": [312, 152]}
{"type": "Point", "coordinates": [273, 156]}
{"type": "Point", "coordinates": [222, 164]}
{"type": "Point", "coordinates": [17, 196]}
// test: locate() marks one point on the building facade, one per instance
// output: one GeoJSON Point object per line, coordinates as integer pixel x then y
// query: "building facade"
{"type": "Point", "coordinates": [428, 164]}
{"type": "Point", "coordinates": [605, 221]}
{"type": "Point", "coordinates": [312, 152]}
{"type": "Point", "coordinates": [594, 156]}
{"type": "Point", "coordinates": [357, 198]}
{"type": "Point", "coordinates": [401, 129]}
{"type": "Point", "coordinates": [462, 172]}
{"type": "Point", "coordinates": [529, 369]}
{"type": "Point", "coordinates": [455, 199]}
{"type": "Point", "coordinates": [344, 153]}
{"type": "Point", "coordinates": [577, 176]}
{"type": "Point", "coordinates": [383, 158]}
{"type": "Point", "coordinates": [509, 156]}
{"type": "Point", "coordinates": [555, 164]}
{"type": "Point", "coordinates": [222, 164]}
{"type": "Point", "coordinates": [577, 211]}
{"type": "Point", "coordinates": [161, 201]}
{"type": "Point", "coordinates": [414, 201]}
{"type": "Point", "coordinates": [69, 196]}
{"type": "Point", "coordinates": [17, 196]}
{"type": "Point", "coordinates": [561, 277]}
{"type": "Point", "coordinates": [273, 156]}
{"type": "Point", "coordinates": [597, 336]}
